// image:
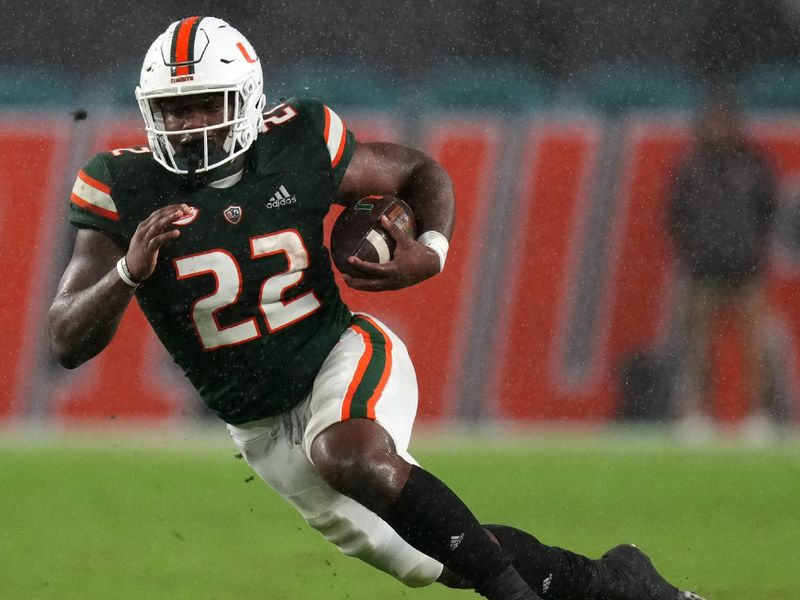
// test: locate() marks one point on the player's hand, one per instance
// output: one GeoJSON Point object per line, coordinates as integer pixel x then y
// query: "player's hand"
{"type": "Point", "coordinates": [412, 263]}
{"type": "Point", "coordinates": [151, 235]}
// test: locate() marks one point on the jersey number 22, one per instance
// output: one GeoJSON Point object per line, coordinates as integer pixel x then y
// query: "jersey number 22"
{"type": "Point", "coordinates": [223, 266]}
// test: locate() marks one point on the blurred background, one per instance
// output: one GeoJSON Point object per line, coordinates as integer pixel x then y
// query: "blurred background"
{"type": "Point", "coordinates": [560, 48]}
{"type": "Point", "coordinates": [565, 126]}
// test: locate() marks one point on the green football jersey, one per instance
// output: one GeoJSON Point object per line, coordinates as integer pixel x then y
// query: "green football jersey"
{"type": "Point", "coordinates": [244, 299]}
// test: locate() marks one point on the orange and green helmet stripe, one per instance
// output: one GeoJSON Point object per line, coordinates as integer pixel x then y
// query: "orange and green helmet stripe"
{"type": "Point", "coordinates": [182, 56]}
{"type": "Point", "coordinates": [372, 372]}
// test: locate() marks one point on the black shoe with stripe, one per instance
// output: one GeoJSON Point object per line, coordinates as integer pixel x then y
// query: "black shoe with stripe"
{"type": "Point", "coordinates": [630, 575]}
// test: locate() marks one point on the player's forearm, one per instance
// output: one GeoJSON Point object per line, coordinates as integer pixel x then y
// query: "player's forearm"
{"type": "Point", "coordinates": [429, 192]}
{"type": "Point", "coordinates": [82, 323]}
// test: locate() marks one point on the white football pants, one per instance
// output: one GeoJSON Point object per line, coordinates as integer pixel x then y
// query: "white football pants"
{"type": "Point", "coordinates": [368, 374]}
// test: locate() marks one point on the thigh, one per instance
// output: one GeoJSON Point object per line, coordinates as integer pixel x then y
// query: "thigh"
{"type": "Point", "coordinates": [369, 375]}
{"type": "Point", "coordinates": [271, 448]}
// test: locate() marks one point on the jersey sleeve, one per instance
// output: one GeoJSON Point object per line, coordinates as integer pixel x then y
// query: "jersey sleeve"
{"type": "Point", "coordinates": [339, 141]}
{"type": "Point", "coordinates": [91, 204]}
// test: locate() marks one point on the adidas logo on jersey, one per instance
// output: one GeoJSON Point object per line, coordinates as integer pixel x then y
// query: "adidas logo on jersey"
{"type": "Point", "coordinates": [281, 198]}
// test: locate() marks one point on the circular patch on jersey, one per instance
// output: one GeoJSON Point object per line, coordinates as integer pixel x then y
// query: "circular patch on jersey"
{"type": "Point", "coordinates": [188, 218]}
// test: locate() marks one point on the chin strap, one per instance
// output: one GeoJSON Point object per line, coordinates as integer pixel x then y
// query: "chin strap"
{"type": "Point", "coordinates": [193, 151]}
{"type": "Point", "coordinates": [191, 176]}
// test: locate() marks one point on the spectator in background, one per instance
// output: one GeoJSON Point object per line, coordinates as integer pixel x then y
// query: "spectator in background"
{"type": "Point", "coordinates": [721, 215]}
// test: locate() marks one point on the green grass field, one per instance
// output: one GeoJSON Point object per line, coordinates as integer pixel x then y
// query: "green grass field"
{"type": "Point", "coordinates": [175, 515]}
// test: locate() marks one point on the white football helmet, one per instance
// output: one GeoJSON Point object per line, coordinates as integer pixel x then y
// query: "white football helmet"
{"type": "Point", "coordinates": [201, 55]}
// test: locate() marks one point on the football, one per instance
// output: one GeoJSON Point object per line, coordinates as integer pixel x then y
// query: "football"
{"type": "Point", "coordinates": [358, 231]}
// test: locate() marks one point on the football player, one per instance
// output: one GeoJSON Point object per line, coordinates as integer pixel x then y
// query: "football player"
{"type": "Point", "coordinates": [216, 227]}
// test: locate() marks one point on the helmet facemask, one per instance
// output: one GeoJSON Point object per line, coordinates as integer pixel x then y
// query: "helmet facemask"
{"type": "Point", "coordinates": [197, 149]}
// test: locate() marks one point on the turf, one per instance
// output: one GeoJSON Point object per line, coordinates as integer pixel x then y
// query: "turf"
{"type": "Point", "coordinates": [178, 516]}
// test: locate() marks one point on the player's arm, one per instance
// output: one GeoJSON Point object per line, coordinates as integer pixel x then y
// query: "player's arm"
{"type": "Point", "coordinates": [90, 300]}
{"type": "Point", "coordinates": [92, 296]}
{"type": "Point", "coordinates": [384, 168]}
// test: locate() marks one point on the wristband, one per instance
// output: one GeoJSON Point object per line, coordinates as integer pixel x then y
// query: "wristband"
{"type": "Point", "coordinates": [125, 274]}
{"type": "Point", "coordinates": [436, 242]}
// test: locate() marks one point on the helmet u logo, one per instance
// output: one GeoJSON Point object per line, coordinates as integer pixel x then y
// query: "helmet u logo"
{"type": "Point", "coordinates": [243, 50]}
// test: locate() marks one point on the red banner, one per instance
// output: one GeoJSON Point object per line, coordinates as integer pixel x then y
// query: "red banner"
{"type": "Point", "coordinates": [33, 152]}
{"type": "Point", "coordinates": [560, 270]}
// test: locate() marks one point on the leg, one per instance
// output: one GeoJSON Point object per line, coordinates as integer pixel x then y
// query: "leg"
{"type": "Point", "coordinates": [363, 406]}
{"type": "Point", "coordinates": [623, 573]}
{"type": "Point", "coordinates": [703, 307]}
{"type": "Point", "coordinates": [551, 572]}
{"type": "Point", "coordinates": [278, 458]}
{"type": "Point", "coordinates": [358, 458]}
{"type": "Point", "coordinates": [751, 307]}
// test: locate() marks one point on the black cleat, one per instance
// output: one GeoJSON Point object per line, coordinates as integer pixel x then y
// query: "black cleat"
{"type": "Point", "coordinates": [630, 575]}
